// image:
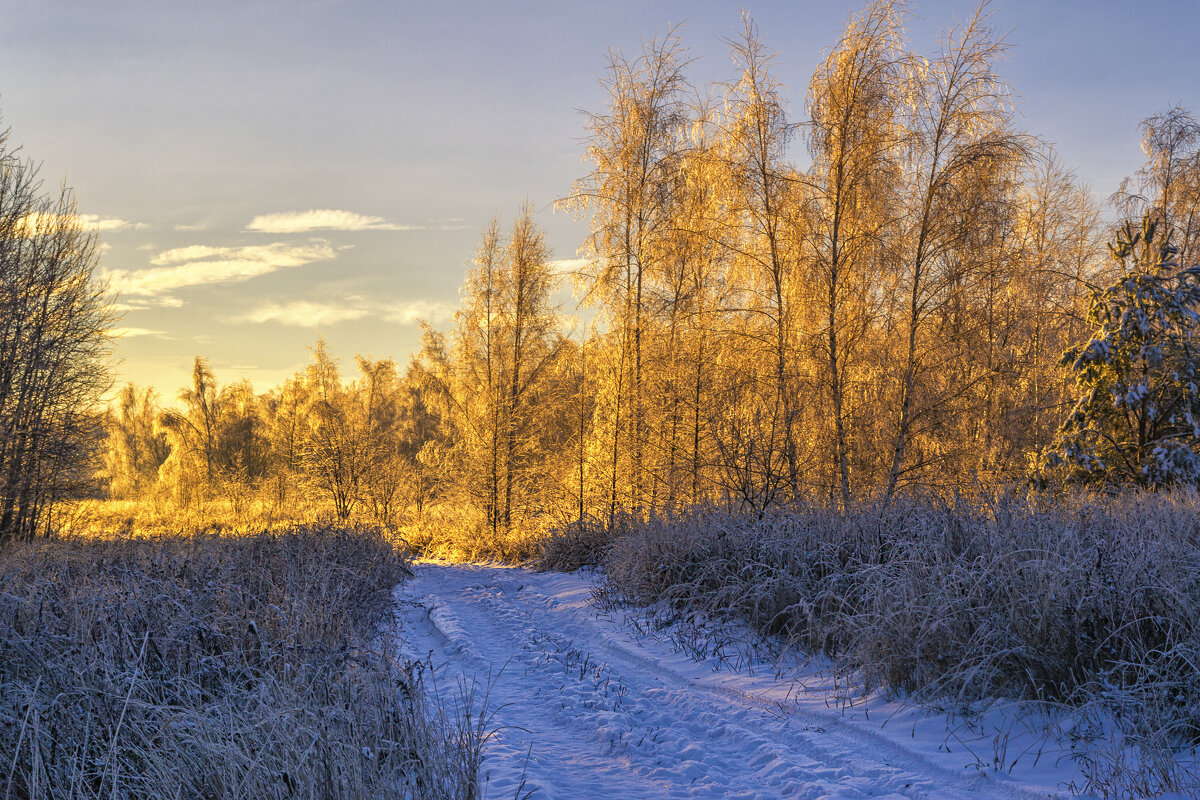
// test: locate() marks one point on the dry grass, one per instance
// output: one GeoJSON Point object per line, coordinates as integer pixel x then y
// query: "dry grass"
{"type": "Point", "coordinates": [155, 517]}
{"type": "Point", "coordinates": [1090, 605]}
{"type": "Point", "coordinates": [218, 667]}
{"type": "Point", "coordinates": [462, 535]}
{"type": "Point", "coordinates": [579, 543]}
{"type": "Point", "coordinates": [441, 531]}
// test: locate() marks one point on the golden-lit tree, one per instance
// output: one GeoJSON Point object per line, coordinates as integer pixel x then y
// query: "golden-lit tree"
{"type": "Point", "coordinates": [633, 155]}
{"type": "Point", "coordinates": [702, 256]}
{"type": "Point", "coordinates": [191, 469]}
{"type": "Point", "coordinates": [421, 431]}
{"type": "Point", "coordinates": [219, 442]}
{"type": "Point", "coordinates": [855, 139]}
{"type": "Point", "coordinates": [1167, 186]}
{"type": "Point", "coordinates": [377, 397]}
{"type": "Point", "coordinates": [468, 381]}
{"type": "Point", "coordinates": [285, 409]}
{"type": "Point", "coordinates": [494, 382]}
{"type": "Point", "coordinates": [135, 447]}
{"type": "Point", "coordinates": [961, 153]}
{"type": "Point", "coordinates": [1031, 308]}
{"type": "Point", "coordinates": [762, 200]}
{"type": "Point", "coordinates": [336, 452]}
{"type": "Point", "coordinates": [580, 390]}
{"type": "Point", "coordinates": [243, 450]}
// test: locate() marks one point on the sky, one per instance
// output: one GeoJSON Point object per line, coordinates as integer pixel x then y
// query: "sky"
{"type": "Point", "coordinates": [264, 173]}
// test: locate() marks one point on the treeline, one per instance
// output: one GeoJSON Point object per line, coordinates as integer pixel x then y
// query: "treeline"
{"type": "Point", "coordinates": [891, 317]}
{"type": "Point", "coordinates": [353, 444]}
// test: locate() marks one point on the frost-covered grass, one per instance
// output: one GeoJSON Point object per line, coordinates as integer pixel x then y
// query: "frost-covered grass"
{"type": "Point", "coordinates": [1086, 605]}
{"type": "Point", "coordinates": [580, 543]}
{"type": "Point", "coordinates": [206, 666]}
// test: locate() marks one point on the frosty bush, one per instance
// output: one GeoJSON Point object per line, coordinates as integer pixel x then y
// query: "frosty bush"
{"type": "Point", "coordinates": [1136, 419]}
{"type": "Point", "coordinates": [1091, 606]}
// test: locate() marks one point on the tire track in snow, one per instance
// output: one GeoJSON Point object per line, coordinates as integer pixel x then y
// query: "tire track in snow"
{"type": "Point", "coordinates": [603, 717]}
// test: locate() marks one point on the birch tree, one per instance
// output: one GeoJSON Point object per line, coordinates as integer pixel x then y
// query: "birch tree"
{"type": "Point", "coordinates": [762, 195]}
{"type": "Point", "coordinates": [960, 150]}
{"type": "Point", "coordinates": [135, 448]}
{"type": "Point", "coordinates": [633, 154]}
{"type": "Point", "coordinates": [285, 410]}
{"type": "Point", "coordinates": [1167, 187]}
{"type": "Point", "coordinates": [855, 136]}
{"type": "Point", "coordinates": [191, 469]}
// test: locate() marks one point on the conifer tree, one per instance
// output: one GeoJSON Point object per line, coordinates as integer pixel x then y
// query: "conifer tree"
{"type": "Point", "coordinates": [493, 383]}
{"type": "Point", "coordinates": [1138, 415]}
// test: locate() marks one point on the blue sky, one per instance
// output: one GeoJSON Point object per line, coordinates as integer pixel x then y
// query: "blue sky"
{"type": "Point", "coordinates": [203, 136]}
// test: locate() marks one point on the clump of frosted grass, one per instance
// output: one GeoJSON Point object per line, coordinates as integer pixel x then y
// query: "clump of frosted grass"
{"type": "Point", "coordinates": [258, 666]}
{"type": "Point", "coordinates": [1088, 604]}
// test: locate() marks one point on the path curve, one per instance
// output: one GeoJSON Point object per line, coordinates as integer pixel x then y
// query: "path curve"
{"type": "Point", "coordinates": [601, 713]}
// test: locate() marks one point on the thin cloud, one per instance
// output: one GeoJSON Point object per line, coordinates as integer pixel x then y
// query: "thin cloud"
{"type": "Point", "coordinates": [161, 301]}
{"type": "Point", "coordinates": [130, 333]}
{"type": "Point", "coordinates": [194, 252]}
{"type": "Point", "coordinates": [196, 265]}
{"type": "Point", "coordinates": [330, 219]}
{"type": "Point", "coordinates": [109, 224]}
{"type": "Point", "coordinates": [427, 310]}
{"type": "Point", "coordinates": [41, 222]}
{"type": "Point", "coordinates": [308, 314]}
{"type": "Point", "coordinates": [303, 314]}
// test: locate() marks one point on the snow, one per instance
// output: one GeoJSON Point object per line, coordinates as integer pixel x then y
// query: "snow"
{"type": "Point", "coordinates": [586, 705]}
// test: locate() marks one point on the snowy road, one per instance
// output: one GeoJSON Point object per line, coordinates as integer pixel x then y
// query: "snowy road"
{"type": "Point", "coordinates": [607, 714]}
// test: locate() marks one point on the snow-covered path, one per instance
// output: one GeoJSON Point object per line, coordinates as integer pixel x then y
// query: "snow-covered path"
{"type": "Point", "coordinates": [606, 715]}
